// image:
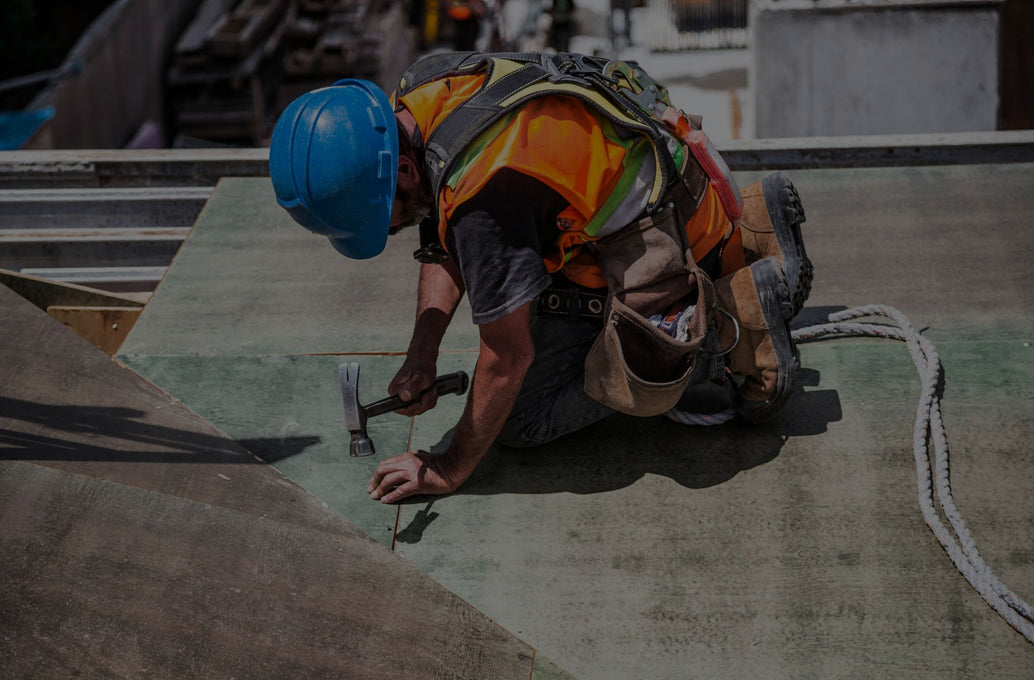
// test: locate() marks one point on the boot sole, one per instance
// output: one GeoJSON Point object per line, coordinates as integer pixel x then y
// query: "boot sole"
{"type": "Point", "coordinates": [787, 215]}
{"type": "Point", "coordinates": [778, 309]}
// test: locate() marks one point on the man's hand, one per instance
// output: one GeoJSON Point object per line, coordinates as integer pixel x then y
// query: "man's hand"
{"type": "Point", "coordinates": [413, 473]}
{"type": "Point", "coordinates": [415, 376]}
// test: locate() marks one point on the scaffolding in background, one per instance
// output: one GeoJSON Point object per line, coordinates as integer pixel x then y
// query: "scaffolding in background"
{"type": "Point", "coordinates": [698, 24]}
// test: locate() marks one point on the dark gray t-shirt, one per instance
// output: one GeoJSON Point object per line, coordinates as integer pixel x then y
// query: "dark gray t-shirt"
{"type": "Point", "coordinates": [497, 239]}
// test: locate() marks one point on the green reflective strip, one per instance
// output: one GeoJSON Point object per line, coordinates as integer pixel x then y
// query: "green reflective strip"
{"type": "Point", "coordinates": [637, 150]}
{"type": "Point", "coordinates": [678, 154]}
{"type": "Point", "coordinates": [470, 154]}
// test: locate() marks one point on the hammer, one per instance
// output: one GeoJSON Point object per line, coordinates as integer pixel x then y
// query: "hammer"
{"type": "Point", "coordinates": [356, 414]}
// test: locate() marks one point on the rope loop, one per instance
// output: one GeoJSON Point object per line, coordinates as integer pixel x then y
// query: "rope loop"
{"type": "Point", "coordinates": [929, 437]}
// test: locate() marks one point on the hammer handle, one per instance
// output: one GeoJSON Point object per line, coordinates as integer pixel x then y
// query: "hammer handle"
{"type": "Point", "coordinates": [452, 383]}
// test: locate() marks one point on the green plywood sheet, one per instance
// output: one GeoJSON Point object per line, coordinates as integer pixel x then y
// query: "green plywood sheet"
{"type": "Point", "coordinates": [288, 410]}
{"type": "Point", "coordinates": [649, 549]}
{"type": "Point", "coordinates": [248, 280]}
{"type": "Point", "coordinates": [946, 245]}
{"type": "Point", "coordinates": [643, 548]}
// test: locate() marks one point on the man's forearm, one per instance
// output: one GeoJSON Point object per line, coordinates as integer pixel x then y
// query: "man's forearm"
{"type": "Point", "coordinates": [503, 360]}
{"type": "Point", "coordinates": [439, 293]}
{"type": "Point", "coordinates": [505, 354]}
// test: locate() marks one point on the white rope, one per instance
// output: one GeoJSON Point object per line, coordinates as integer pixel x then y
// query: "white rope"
{"type": "Point", "coordinates": [929, 428]}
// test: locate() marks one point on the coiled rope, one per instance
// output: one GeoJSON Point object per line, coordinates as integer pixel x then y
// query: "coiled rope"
{"type": "Point", "coordinates": [932, 474]}
{"type": "Point", "coordinates": [929, 429]}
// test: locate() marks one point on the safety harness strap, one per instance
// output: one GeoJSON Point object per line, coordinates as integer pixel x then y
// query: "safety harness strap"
{"type": "Point", "coordinates": [471, 119]}
{"type": "Point", "coordinates": [529, 75]}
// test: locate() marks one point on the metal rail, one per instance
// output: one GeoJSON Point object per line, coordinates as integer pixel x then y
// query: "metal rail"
{"type": "Point", "coordinates": [134, 207]}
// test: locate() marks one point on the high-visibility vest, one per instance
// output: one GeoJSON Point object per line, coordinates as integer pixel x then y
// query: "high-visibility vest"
{"type": "Point", "coordinates": [556, 119]}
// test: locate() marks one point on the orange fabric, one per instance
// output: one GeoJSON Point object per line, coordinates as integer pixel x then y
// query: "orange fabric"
{"type": "Point", "coordinates": [430, 104]}
{"type": "Point", "coordinates": [732, 252]}
{"type": "Point", "coordinates": [460, 12]}
{"type": "Point", "coordinates": [557, 141]}
{"type": "Point", "coordinates": [538, 141]}
{"type": "Point", "coordinates": [708, 225]}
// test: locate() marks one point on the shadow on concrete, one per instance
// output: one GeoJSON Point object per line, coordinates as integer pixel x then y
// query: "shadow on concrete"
{"type": "Point", "coordinates": [274, 450]}
{"type": "Point", "coordinates": [620, 450]}
{"type": "Point", "coordinates": [35, 431]}
{"type": "Point", "coordinates": [415, 531]}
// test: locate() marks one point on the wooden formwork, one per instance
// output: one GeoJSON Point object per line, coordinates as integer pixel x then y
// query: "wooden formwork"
{"type": "Point", "coordinates": [233, 61]}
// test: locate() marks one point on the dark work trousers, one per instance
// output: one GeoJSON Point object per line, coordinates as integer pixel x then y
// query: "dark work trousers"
{"type": "Point", "coordinates": [552, 401]}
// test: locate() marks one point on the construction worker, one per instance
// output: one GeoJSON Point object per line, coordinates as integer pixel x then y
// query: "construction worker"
{"type": "Point", "coordinates": [554, 216]}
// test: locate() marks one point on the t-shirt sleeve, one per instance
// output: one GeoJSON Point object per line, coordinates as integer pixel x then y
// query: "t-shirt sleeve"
{"type": "Point", "coordinates": [496, 239]}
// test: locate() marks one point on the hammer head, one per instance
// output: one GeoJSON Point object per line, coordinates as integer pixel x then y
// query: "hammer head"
{"type": "Point", "coordinates": [355, 414]}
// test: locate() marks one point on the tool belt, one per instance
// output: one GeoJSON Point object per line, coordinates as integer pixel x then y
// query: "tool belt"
{"type": "Point", "coordinates": [574, 302]}
{"type": "Point", "coordinates": [633, 366]}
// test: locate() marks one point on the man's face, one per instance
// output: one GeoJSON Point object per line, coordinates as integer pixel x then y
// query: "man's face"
{"type": "Point", "coordinates": [412, 198]}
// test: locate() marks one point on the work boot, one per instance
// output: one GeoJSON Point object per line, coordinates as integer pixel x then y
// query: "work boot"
{"type": "Point", "coordinates": [771, 227]}
{"type": "Point", "coordinates": [753, 315]}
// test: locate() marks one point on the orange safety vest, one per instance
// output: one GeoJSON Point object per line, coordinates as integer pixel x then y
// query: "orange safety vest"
{"type": "Point", "coordinates": [559, 141]}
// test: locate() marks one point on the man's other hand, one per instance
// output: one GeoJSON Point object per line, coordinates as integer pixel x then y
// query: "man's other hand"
{"type": "Point", "coordinates": [414, 473]}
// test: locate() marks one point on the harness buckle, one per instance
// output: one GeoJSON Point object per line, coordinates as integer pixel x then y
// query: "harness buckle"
{"type": "Point", "coordinates": [430, 250]}
{"type": "Point", "coordinates": [633, 82]}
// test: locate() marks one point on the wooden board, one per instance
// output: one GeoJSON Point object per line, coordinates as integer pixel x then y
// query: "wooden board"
{"type": "Point", "coordinates": [47, 293]}
{"type": "Point", "coordinates": [105, 327]}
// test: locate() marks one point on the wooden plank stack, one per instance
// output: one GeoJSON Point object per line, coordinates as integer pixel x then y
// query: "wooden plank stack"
{"type": "Point", "coordinates": [240, 60]}
{"type": "Point", "coordinates": [342, 44]}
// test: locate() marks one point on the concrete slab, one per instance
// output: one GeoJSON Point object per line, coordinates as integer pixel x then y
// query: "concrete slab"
{"type": "Point", "coordinates": [248, 280]}
{"type": "Point", "coordinates": [288, 411]}
{"type": "Point", "coordinates": [644, 548]}
{"type": "Point", "coordinates": [138, 540]}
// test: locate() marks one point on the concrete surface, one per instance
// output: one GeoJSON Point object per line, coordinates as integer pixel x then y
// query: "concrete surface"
{"type": "Point", "coordinates": [896, 68]}
{"type": "Point", "coordinates": [139, 541]}
{"type": "Point", "coordinates": [643, 548]}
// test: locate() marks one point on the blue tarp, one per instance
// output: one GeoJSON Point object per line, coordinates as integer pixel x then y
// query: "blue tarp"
{"type": "Point", "coordinates": [18, 127]}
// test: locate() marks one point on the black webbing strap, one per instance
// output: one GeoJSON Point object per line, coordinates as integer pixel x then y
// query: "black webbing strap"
{"type": "Point", "coordinates": [575, 303]}
{"type": "Point", "coordinates": [435, 67]}
{"type": "Point", "coordinates": [475, 115]}
{"type": "Point", "coordinates": [471, 119]}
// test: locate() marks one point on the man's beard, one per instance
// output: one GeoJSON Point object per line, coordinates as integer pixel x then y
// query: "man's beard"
{"type": "Point", "coordinates": [413, 205]}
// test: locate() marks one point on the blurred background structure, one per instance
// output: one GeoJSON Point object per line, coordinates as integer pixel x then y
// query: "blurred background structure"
{"type": "Point", "coordinates": [188, 73]}
{"type": "Point", "coordinates": [213, 75]}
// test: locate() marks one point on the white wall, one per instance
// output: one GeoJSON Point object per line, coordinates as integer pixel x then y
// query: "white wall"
{"type": "Point", "coordinates": [893, 69]}
{"type": "Point", "coordinates": [124, 55]}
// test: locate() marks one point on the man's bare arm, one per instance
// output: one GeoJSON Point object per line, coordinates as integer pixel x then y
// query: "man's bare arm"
{"type": "Point", "coordinates": [439, 293]}
{"type": "Point", "coordinates": [506, 352]}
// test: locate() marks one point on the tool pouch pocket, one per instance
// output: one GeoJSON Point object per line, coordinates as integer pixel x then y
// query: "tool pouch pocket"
{"type": "Point", "coordinates": [633, 366]}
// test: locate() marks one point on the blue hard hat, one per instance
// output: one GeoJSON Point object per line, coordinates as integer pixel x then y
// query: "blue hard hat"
{"type": "Point", "coordinates": [333, 160]}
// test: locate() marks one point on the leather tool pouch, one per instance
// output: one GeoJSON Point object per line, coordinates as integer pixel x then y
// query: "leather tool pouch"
{"type": "Point", "coordinates": [634, 367]}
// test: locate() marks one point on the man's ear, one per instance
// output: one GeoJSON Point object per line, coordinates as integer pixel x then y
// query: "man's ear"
{"type": "Point", "coordinates": [407, 168]}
